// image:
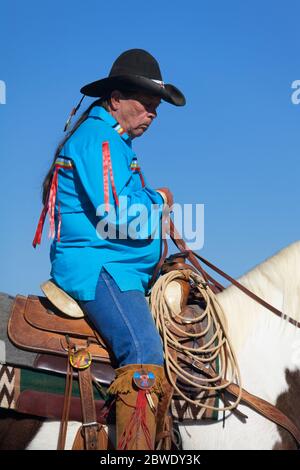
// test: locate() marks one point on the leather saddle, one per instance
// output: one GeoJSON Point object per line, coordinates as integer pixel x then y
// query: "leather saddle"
{"type": "Point", "coordinates": [60, 340]}
{"type": "Point", "coordinates": [37, 325]}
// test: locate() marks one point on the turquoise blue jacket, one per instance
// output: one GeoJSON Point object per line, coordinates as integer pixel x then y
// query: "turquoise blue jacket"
{"type": "Point", "coordinates": [77, 258]}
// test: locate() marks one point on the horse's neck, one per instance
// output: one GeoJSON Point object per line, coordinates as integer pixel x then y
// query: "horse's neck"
{"type": "Point", "coordinates": [243, 314]}
{"type": "Point", "coordinates": [266, 346]}
{"type": "Point", "coordinates": [277, 281]}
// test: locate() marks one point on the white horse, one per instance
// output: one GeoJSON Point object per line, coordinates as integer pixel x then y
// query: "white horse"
{"type": "Point", "coordinates": [268, 352]}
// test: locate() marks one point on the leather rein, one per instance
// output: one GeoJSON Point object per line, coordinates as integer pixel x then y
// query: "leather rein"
{"type": "Point", "coordinates": [217, 287]}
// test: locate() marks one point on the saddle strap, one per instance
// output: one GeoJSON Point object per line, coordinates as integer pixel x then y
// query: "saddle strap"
{"type": "Point", "coordinates": [66, 408]}
{"type": "Point", "coordinates": [90, 427]}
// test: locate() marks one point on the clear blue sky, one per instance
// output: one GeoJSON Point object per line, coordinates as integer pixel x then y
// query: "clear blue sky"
{"type": "Point", "coordinates": [234, 147]}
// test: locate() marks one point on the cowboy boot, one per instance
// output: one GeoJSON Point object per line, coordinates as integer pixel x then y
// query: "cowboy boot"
{"type": "Point", "coordinates": [137, 388]}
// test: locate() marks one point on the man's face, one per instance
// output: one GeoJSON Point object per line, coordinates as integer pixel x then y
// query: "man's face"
{"type": "Point", "coordinates": [135, 114]}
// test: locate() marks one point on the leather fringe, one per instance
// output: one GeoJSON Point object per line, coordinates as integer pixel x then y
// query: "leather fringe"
{"type": "Point", "coordinates": [124, 383]}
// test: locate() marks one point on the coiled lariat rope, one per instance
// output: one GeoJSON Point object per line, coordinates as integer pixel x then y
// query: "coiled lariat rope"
{"type": "Point", "coordinates": [201, 358]}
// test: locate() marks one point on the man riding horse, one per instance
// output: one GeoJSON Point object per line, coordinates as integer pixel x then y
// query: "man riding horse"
{"type": "Point", "coordinates": [95, 182]}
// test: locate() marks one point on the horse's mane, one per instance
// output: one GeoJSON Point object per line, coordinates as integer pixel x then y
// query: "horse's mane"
{"type": "Point", "coordinates": [276, 280]}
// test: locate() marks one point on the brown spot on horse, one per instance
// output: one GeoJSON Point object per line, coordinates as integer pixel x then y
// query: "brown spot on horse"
{"type": "Point", "coordinates": [289, 403]}
{"type": "Point", "coordinates": [17, 429]}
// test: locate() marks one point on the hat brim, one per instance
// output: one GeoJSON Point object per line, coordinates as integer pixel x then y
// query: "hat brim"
{"type": "Point", "coordinates": [167, 92]}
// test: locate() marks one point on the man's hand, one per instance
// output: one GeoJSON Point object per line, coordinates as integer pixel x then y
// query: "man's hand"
{"type": "Point", "coordinates": [167, 195]}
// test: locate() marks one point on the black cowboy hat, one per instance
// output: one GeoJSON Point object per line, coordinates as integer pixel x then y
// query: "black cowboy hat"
{"type": "Point", "coordinates": [134, 70]}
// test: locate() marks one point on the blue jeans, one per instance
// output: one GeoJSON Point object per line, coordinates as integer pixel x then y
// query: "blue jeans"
{"type": "Point", "coordinates": [124, 321]}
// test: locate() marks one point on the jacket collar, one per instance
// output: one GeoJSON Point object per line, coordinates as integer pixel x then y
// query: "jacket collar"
{"type": "Point", "coordinates": [101, 113]}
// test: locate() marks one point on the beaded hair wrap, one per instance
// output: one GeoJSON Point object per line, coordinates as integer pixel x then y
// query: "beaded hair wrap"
{"type": "Point", "coordinates": [72, 113]}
